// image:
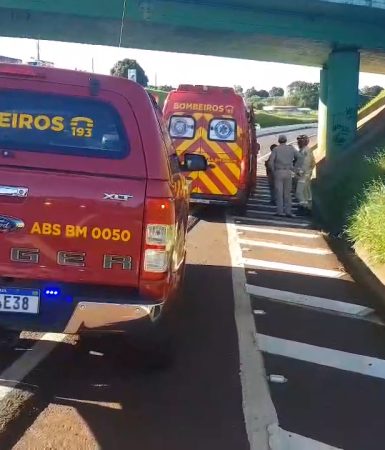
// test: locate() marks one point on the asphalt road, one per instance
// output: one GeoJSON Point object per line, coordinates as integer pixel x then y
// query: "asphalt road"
{"type": "Point", "coordinates": [266, 141]}
{"type": "Point", "coordinates": [107, 400]}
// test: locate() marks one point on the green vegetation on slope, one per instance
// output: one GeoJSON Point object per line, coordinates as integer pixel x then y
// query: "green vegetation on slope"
{"type": "Point", "coordinates": [373, 105]}
{"type": "Point", "coordinates": [160, 94]}
{"type": "Point", "coordinates": [353, 200]}
{"type": "Point", "coordinates": [267, 120]}
{"type": "Point", "coordinates": [366, 223]}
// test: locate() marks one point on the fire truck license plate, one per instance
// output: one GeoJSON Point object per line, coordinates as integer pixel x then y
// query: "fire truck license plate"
{"type": "Point", "coordinates": [14, 300]}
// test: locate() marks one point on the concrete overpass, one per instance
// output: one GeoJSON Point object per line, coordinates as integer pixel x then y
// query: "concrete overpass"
{"type": "Point", "coordinates": [341, 37]}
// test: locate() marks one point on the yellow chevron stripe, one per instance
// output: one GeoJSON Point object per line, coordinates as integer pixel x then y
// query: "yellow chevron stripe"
{"type": "Point", "coordinates": [236, 149]}
{"type": "Point", "coordinates": [219, 151]}
{"type": "Point", "coordinates": [198, 116]}
{"type": "Point", "coordinates": [208, 117]}
{"type": "Point", "coordinates": [211, 186]}
{"type": "Point", "coordinates": [235, 169]}
{"type": "Point", "coordinates": [224, 180]}
{"type": "Point", "coordinates": [187, 143]}
{"type": "Point", "coordinates": [222, 152]}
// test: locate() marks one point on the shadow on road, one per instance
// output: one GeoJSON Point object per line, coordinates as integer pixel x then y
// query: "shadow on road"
{"type": "Point", "coordinates": [194, 404]}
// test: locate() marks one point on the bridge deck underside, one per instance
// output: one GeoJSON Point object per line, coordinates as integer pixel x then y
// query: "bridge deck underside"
{"type": "Point", "coordinates": [303, 33]}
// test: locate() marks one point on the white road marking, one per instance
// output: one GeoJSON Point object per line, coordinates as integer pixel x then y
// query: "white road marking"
{"type": "Point", "coordinates": [262, 191]}
{"type": "Point", "coordinates": [293, 268]}
{"type": "Point", "coordinates": [261, 158]}
{"type": "Point", "coordinates": [266, 201]}
{"type": "Point", "coordinates": [257, 229]}
{"type": "Point", "coordinates": [290, 248]}
{"type": "Point", "coordinates": [351, 362]}
{"type": "Point", "coordinates": [98, 403]}
{"type": "Point", "coordinates": [20, 368]}
{"type": "Point", "coordinates": [239, 219]}
{"type": "Point", "coordinates": [262, 212]}
{"type": "Point", "coordinates": [309, 300]}
{"type": "Point", "coordinates": [259, 412]}
{"type": "Point", "coordinates": [292, 441]}
{"type": "Point", "coordinates": [260, 195]}
{"type": "Point", "coordinates": [257, 204]}
{"type": "Point", "coordinates": [262, 187]}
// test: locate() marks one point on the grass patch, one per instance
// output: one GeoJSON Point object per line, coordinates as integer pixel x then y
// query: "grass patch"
{"type": "Point", "coordinates": [160, 94]}
{"type": "Point", "coordinates": [267, 120]}
{"type": "Point", "coordinates": [366, 225]}
{"type": "Point", "coordinates": [353, 201]}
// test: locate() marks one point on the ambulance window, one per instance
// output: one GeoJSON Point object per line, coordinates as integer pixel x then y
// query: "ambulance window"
{"type": "Point", "coordinates": [45, 123]}
{"type": "Point", "coordinates": [223, 130]}
{"type": "Point", "coordinates": [182, 127]}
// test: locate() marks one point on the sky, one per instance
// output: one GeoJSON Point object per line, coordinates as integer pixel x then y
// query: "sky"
{"type": "Point", "coordinates": [171, 68]}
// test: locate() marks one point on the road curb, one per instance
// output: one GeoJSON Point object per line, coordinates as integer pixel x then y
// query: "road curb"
{"type": "Point", "coordinates": [360, 270]}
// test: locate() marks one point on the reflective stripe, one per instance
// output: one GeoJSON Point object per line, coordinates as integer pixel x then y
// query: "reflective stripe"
{"type": "Point", "coordinates": [213, 189]}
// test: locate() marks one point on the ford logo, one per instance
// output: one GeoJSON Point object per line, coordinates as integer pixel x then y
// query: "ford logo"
{"type": "Point", "coordinates": [8, 224]}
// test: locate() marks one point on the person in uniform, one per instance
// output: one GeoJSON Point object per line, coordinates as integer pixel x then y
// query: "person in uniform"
{"type": "Point", "coordinates": [281, 163]}
{"type": "Point", "coordinates": [270, 176]}
{"type": "Point", "coordinates": [303, 169]}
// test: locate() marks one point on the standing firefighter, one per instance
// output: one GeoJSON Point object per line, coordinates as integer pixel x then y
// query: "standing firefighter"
{"type": "Point", "coordinates": [270, 176]}
{"type": "Point", "coordinates": [304, 169]}
{"type": "Point", "coordinates": [282, 164]}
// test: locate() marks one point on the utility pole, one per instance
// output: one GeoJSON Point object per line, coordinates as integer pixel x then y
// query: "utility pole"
{"type": "Point", "coordinates": [156, 80]}
{"type": "Point", "coordinates": [92, 65]}
{"type": "Point", "coordinates": [38, 49]}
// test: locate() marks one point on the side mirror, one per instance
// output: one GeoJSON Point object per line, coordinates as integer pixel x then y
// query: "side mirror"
{"type": "Point", "coordinates": [194, 163]}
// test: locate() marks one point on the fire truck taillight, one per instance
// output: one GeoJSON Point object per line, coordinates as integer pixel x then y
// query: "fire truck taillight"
{"type": "Point", "coordinates": [160, 236]}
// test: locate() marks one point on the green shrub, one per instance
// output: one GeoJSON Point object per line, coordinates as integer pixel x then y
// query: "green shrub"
{"type": "Point", "coordinates": [366, 225]}
{"type": "Point", "coordinates": [343, 190]}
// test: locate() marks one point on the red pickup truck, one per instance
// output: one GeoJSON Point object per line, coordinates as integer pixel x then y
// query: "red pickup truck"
{"type": "Point", "coordinates": [93, 204]}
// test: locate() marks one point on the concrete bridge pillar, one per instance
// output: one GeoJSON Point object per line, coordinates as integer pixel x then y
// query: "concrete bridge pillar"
{"type": "Point", "coordinates": [338, 102]}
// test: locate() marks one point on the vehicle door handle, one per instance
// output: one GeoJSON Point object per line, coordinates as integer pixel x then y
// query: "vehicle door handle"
{"type": "Point", "coordinates": [13, 191]}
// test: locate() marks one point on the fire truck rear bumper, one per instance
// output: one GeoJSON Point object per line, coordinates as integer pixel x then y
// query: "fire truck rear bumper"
{"type": "Point", "coordinates": [224, 200]}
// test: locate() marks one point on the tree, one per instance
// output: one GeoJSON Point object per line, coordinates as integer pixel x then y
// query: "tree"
{"type": "Point", "coordinates": [121, 68]}
{"type": "Point", "coordinates": [371, 91]}
{"type": "Point", "coordinates": [251, 92]}
{"type": "Point", "coordinates": [238, 89]}
{"type": "Point", "coordinates": [262, 93]}
{"type": "Point", "coordinates": [297, 87]}
{"type": "Point", "coordinates": [276, 92]}
{"type": "Point", "coordinates": [304, 94]}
